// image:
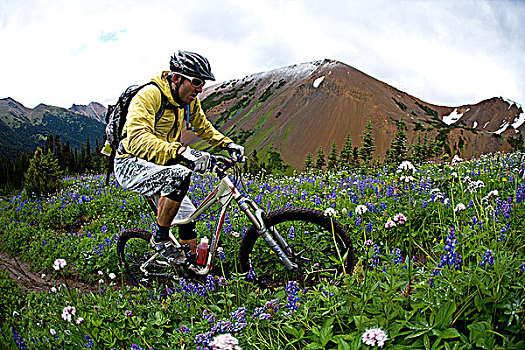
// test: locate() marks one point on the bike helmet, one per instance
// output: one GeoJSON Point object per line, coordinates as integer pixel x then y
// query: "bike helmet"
{"type": "Point", "coordinates": [192, 64]}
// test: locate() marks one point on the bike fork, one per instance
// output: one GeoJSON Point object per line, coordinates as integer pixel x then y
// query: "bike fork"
{"type": "Point", "coordinates": [270, 241]}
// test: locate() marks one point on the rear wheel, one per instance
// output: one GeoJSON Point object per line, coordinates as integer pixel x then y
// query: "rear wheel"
{"type": "Point", "coordinates": [134, 250]}
{"type": "Point", "coordinates": [317, 243]}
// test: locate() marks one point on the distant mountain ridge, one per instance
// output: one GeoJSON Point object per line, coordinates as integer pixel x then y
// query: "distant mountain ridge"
{"type": "Point", "coordinates": [24, 129]}
{"type": "Point", "coordinates": [94, 110]}
{"type": "Point", "coordinates": [295, 110]}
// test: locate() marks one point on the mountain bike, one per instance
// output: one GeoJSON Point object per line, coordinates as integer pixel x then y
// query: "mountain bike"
{"type": "Point", "coordinates": [292, 243]}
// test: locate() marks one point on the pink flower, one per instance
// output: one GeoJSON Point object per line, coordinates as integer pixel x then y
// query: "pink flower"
{"type": "Point", "coordinates": [225, 342]}
{"type": "Point", "coordinates": [374, 336]}
{"type": "Point", "coordinates": [68, 312]}
{"type": "Point", "coordinates": [390, 224]}
{"type": "Point", "coordinates": [400, 219]}
{"type": "Point", "coordinates": [369, 242]}
{"type": "Point", "coordinates": [127, 313]}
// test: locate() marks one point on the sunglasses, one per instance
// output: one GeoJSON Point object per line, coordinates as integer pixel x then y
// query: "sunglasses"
{"type": "Point", "coordinates": [195, 82]}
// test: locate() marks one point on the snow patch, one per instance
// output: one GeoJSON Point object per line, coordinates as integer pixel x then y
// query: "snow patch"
{"type": "Point", "coordinates": [502, 128]}
{"type": "Point", "coordinates": [475, 124]}
{"type": "Point", "coordinates": [484, 126]}
{"type": "Point", "coordinates": [318, 82]}
{"type": "Point", "coordinates": [519, 120]}
{"type": "Point", "coordinates": [452, 117]}
{"type": "Point", "coordinates": [290, 72]}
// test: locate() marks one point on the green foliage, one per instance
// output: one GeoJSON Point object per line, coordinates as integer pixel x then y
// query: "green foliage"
{"type": "Point", "coordinates": [366, 152]}
{"type": "Point", "coordinates": [274, 162]}
{"type": "Point", "coordinates": [398, 147]}
{"type": "Point", "coordinates": [11, 299]}
{"type": "Point", "coordinates": [332, 157]}
{"type": "Point", "coordinates": [43, 175]}
{"type": "Point", "coordinates": [428, 111]}
{"type": "Point", "coordinates": [320, 161]}
{"type": "Point", "coordinates": [308, 161]}
{"type": "Point", "coordinates": [400, 104]}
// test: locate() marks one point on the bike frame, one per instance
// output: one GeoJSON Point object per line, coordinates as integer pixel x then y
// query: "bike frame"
{"type": "Point", "coordinates": [224, 193]}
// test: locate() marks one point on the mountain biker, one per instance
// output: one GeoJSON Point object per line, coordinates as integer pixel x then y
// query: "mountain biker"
{"type": "Point", "coordinates": [151, 160]}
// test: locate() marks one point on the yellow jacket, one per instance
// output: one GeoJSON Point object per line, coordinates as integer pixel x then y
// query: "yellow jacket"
{"type": "Point", "coordinates": [157, 142]}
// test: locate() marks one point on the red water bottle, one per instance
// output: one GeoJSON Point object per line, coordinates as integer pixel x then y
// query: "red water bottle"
{"type": "Point", "coordinates": [202, 251]}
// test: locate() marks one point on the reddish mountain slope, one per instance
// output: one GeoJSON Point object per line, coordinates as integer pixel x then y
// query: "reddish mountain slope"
{"type": "Point", "coordinates": [297, 109]}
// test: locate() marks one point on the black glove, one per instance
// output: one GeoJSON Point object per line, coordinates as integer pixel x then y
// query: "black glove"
{"type": "Point", "coordinates": [236, 151]}
{"type": "Point", "coordinates": [199, 159]}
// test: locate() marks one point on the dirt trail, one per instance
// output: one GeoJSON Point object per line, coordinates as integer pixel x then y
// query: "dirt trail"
{"type": "Point", "coordinates": [32, 281]}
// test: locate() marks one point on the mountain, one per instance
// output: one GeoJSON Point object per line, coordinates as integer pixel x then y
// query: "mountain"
{"type": "Point", "coordinates": [297, 109]}
{"type": "Point", "coordinates": [24, 129]}
{"type": "Point", "coordinates": [94, 110]}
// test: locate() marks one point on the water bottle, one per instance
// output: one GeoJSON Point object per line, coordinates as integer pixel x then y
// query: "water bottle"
{"type": "Point", "coordinates": [202, 251]}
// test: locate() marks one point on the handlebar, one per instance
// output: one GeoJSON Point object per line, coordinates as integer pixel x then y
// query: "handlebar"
{"type": "Point", "coordinates": [220, 164]}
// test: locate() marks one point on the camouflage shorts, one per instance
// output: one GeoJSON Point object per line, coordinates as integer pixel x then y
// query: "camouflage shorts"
{"type": "Point", "coordinates": [150, 179]}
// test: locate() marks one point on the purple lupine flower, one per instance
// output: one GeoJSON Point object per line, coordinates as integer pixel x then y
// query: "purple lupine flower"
{"type": "Point", "coordinates": [488, 258]}
{"type": "Point", "coordinates": [293, 298]}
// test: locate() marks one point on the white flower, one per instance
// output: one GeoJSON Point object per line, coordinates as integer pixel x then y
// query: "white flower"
{"type": "Point", "coordinates": [53, 332]}
{"type": "Point", "coordinates": [361, 209]}
{"type": "Point", "coordinates": [53, 289]}
{"type": "Point", "coordinates": [456, 159]}
{"type": "Point", "coordinates": [406, 165]}
{"type": "Point", "coordinates": [100, 273]}
{"type": "Point", "coordinates": [459, 207]}
{"type": "Point", "coordinates": [374, 336]}
{"type": "Point", "coordinates": [225, 342]}
{"type": "Point", "coordinates": [80, 320]}
{"type": "Point", "coordinates": [101, 281]}
{"type": "Point", "coordinates": [43, 275]}
{"type": "Point", "coordinates": [406, 178]}
{"type": "Point", "coordinates": [59, 264]}
{"type": "Point", "coordinates": [112, 276]}
{"type": "Point", "coordinates": [329, 212]}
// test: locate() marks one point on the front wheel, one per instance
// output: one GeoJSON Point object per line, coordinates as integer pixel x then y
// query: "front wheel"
{"type": "Point", "coordinates": [134, 254]}
{"type": "Point", "coordinates": [316, 243]}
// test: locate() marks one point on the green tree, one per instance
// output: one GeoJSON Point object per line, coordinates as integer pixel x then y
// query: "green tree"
{"type": "Point", "coordinates": [398, 147]}
{"type": "Point", "coordinates": [367, 144]}
{"type": "Point", "coordinates": [345, 157]}
{"type": "Point", "coordinates": [332, 157]}
{"type": "Point", "coordinates": [275, 162]}
{"type": "Point", "coordinates": [43, 175]}
{"type": "Point", "coordinates": [309, 161]}
{"type": "Point", "coordinates": [320, 161]}
{"type": "Point", "coordinates": [252, 165]}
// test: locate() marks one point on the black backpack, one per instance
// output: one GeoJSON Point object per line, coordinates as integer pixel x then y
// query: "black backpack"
{"type": "Point", "coordinates": [116, 118]}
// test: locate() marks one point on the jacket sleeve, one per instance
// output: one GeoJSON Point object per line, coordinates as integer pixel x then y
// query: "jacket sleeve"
{"type": "Point", "coordinates": [140, 128]}
{"type": "Point", "coordinates": [204, 128]}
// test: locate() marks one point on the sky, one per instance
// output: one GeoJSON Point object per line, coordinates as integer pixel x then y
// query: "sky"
{"type": "Point", "coordinates": [450, 53]}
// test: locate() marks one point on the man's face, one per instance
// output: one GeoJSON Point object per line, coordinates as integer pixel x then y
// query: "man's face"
{"type": "Point", "coordinates": [187, 92]}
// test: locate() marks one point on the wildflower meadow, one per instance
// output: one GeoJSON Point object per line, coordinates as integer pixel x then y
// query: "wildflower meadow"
{"type": "Point", "coordinates": [440, 264]}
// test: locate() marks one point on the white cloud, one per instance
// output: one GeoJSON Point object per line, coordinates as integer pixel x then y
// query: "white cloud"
{"type": "Point", "coordinates": [63, 52]}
